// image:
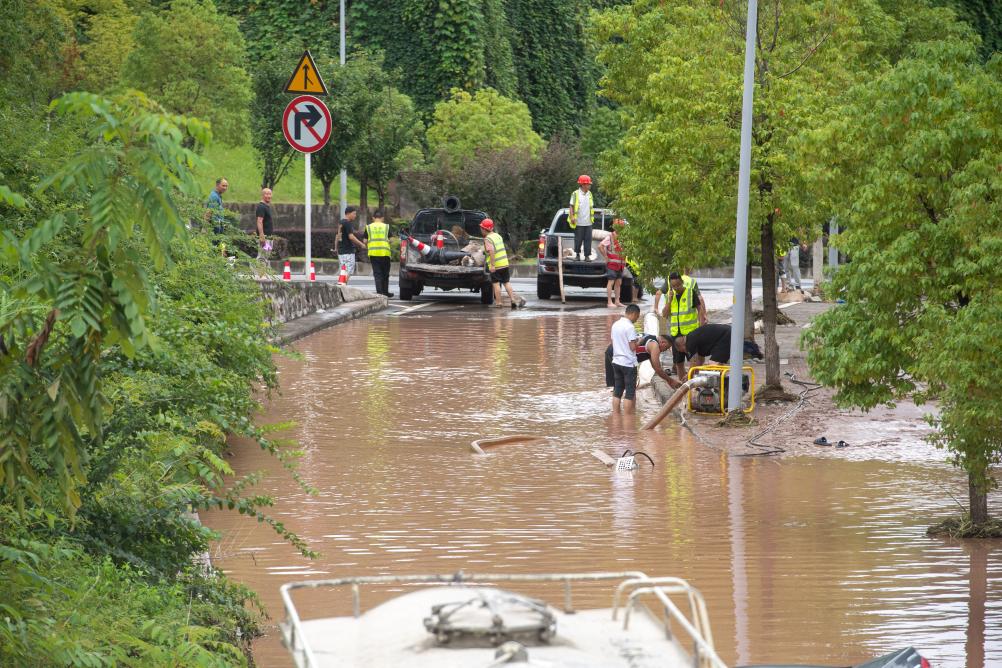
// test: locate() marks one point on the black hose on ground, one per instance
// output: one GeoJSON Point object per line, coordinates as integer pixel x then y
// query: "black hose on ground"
{"type": "Point", "coordinates": [775, 449]}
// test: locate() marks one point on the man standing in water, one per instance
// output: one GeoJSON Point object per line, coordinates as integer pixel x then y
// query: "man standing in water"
{"type": "Point", "coordinates": [624, 360]}
{"type": "Point", "coordinates": [497, 264]}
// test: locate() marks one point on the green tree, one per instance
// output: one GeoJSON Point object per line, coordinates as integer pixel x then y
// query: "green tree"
{"type": "Point", "coordinates": [556, 69]}
{"type": "Point", "coordinates": [191, 59]}
{"type": "Point", "coordinates": [675, 69]}
{"type": "Point", "coordinates": [485, 121]}
{"type": "Point", "coordinates": [271, 74]}
{"type": "Point", "coordinates": [95, 297]}
{"type": "Point", "coordinates": [357, 87]}
{"type": "Point", "coordinates": [444, 44]}
{"type": "Point", "coordinates": [106, 43]}
{"type": "Point", "coordinates": [376, 154]}
{"type": "Point", "coordinates": [910, 160]}
{"type": "Point", "coordinates": [281, 24]}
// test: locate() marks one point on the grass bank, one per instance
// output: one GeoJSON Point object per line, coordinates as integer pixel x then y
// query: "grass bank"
{"type": "Point", "coordinates": [240, 166]}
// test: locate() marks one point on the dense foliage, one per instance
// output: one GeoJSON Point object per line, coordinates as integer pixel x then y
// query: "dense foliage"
{"type": "Point", "coordinates": [128, 351]}
{"type": "Point", "coordinates": [911, 165]}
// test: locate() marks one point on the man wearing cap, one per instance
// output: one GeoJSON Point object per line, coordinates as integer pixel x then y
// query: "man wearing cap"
{"type": "Point", "coordinates": [612, 251]}
{"type": "Point", "coordinates": [579, 216]}
{"type": "Point", "coordinates": [497, 264]}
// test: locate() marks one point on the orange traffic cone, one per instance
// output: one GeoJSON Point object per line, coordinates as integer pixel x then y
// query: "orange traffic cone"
{"type": "Point", "coordinates": [313, 272]}
{"type": "Point", "coordinates": [439, 239]}
{"type": "Point", "coordinates": [287, 272]}
{"type": "Point", "coordinates": [342, 278]}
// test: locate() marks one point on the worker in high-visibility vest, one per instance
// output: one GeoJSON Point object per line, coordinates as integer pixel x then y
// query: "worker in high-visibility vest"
{"type": "Point", "coordinates": [579, 217]}
{"type": "Point", "coordinates": [684, 311]}
{"type": "Point", "coordinates": [497, 264]}
{"type": "Point", "coordinates": [377, 236]}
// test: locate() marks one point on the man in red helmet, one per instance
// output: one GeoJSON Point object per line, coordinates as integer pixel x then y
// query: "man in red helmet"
{"type": "Point", "coordinates": [579, 217]}
{"type": "Point", "coordinates": [497, 264]}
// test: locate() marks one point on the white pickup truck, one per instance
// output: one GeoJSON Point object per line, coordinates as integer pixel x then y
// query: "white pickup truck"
{"type": "Point", "coordinates": [589, 273]}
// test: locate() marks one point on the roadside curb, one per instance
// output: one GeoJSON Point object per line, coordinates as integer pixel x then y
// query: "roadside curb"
{"type": "Point", "coordinates": [310, 324]}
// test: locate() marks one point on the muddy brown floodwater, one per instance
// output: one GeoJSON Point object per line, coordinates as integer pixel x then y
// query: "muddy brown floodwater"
{"type": "Point", "coordinates": [800, 559]}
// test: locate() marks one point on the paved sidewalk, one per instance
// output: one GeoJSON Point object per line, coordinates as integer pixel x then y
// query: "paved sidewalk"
{"type": "Point", "coordinates": [302, 327]}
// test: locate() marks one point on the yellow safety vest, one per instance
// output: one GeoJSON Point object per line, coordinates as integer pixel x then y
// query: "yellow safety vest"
{"type": "Point", "coordinates": [379, 239]}
{"type": "Point", "coordinates": [572, 215]}
{"type": "Point", "coordinates": [684, 315]}
{"type": "Point", "coordinates": [499, 259]}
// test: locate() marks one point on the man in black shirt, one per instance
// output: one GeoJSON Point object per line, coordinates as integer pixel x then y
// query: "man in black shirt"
{"type": "Point", "coordinates": [348, 241]}
{"type": "Point", "coordinates": [714, 341]}
{"type": "Point", "coordinates": [264, 226]}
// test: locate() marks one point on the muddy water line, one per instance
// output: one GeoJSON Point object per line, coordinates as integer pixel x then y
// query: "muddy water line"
{"type": "Point", "coordinates": [803, 559]}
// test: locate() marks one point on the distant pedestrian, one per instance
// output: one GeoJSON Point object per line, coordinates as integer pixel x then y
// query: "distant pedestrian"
{"type": "Point", "coordinates": [615, 264]}
{"type": "Point", "coordinates": [214, 207]}
{"type": "Point", "coordinates": [579, 216]}
{"type": "Point", "coordinates": [791, 263]}
{"type": "Point", "coordinates": [497, 264]}
{"type": "Point", "coordinates": [377, 239]}
{"type": "Point", "coordinates": [714, 341]}
{"type": "Point", "coordinates": [624, 360]}
{"type": "Point", "coordinates": [348, 241]}
{"type": "Point", "coordinates": [264, 224]}
{"type": "Point", "coordinates": [684, 311]}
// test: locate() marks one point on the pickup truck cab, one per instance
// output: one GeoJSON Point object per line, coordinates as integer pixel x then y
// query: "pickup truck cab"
{"type": "Point", "coordinates": [441, 269]}
{"type": "Point", "coordinates": [581, 273]}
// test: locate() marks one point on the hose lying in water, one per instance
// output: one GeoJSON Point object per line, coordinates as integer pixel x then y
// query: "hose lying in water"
{"type": "Point", "coordinates": [479, 445]}
{"type": "Point", "coordinates": [681, 393]}
{"type": "Point", "coordinates": [638, 454]}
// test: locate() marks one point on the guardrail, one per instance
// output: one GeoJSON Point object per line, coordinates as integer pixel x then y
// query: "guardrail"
{"type": "Point", "coordinates": [704, 655]}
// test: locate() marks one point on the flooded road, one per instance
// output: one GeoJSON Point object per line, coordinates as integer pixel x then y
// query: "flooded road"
{"type": "Point", "coordinates": [800, 559]}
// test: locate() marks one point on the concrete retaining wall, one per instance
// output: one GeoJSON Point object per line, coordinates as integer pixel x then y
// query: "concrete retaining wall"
{"type": "Point", "coordinates": [295, 299]}
{"type": "Point", "coordinates": [287, 216]}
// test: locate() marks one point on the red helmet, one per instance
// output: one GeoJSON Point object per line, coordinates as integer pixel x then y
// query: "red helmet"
{"type": "Point", "coordinates": [584, 179]}
{"type": "Point", "coordinates": [487, 224]}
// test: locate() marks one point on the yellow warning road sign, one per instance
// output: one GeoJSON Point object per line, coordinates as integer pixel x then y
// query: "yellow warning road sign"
{"type": "Point", "coordinates": [306, 78]}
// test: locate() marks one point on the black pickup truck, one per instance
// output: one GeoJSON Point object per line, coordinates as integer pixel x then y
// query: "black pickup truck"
{"type": "Point", "coordinates": [579, 273]}
{"type": "Point", "coordinates": [440, 268]}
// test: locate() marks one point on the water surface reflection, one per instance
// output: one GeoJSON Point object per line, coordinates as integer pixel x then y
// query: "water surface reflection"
{"type": "Point", "coordinates": [808, 560]}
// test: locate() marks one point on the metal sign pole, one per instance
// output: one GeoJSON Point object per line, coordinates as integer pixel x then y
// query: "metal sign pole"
{"type": "Point", "coordinates": [309, 221]}
{"type": "Point", "coordinates": [344, 174]}
{"type": "Point", "coordinates": [741, 238]}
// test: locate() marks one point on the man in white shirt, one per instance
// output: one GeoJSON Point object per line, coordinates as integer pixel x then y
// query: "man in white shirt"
{"type": "Point", "coordinates": [624, 360]}
{"type": "Point", "coordinates": [579, 216]}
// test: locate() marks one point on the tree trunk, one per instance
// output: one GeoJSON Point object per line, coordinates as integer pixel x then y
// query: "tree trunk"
{"type": "Point", "coordinates": [769, 308]}
{"type": "Point", "coordinates": [381, 194]}
{"type": "Point", "coordinates": [979, 501]}
{"type": "Point", "coordinates": [327, 192]}
{"type": "Point", "coordinates": [749, 318]}
{"type": "Point", "coordinates": [363, 199]}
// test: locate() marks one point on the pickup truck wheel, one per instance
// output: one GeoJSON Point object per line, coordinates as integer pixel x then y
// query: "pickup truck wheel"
{"type": "Point", "coordinates": [543, 289]}
{"type": "Point", "coordinates": [487, 294]}
{"type": "Point", "coordinates": [407, 291]}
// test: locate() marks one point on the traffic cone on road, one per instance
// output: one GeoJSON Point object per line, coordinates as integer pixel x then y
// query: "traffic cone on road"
{"type": "Point", "coordinates": [287, 272]}
{"type": "Point", "coordinates": [313, 272]}
{"type": "Point", "coordinates": [342, 278]}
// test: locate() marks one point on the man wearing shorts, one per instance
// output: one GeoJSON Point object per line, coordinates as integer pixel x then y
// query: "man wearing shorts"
{"type": "Point", "coordinates": [497, 264]}
{"type": "Point", "coordinates": [624, 361]}
{"type": "Point", "coordinates": [348, 241]}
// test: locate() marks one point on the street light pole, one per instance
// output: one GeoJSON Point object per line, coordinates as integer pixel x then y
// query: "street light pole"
{"type": "Point", "coordinates": [344, 174]}
{"type": "Point", "coordinates": [741, 237]}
